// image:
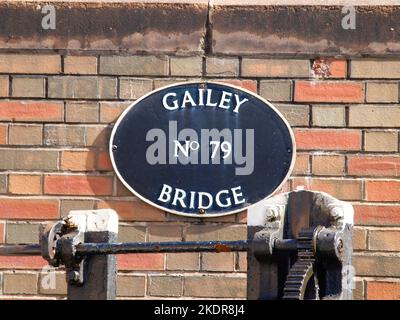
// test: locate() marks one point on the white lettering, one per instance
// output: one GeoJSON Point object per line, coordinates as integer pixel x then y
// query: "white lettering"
{"type": "Point", "coordinates": [187, 98]}
{"type": "Point", "coordinates": [218, 199]}
{"type": "Point", "coordinates": [180, 196]}
{"type": "Point", "coordinates": [185, 150]}
{"type": "Point", "coordinates": [224, 100]}
{"type": "Point", "coordinates": [201, 97]}
{"type": "Point", "coordinates": [239, 103]}
{"type": "Point", "coordinates": [236, 195]}
{"type": "Point", "coordinates": [175, 102]}
{"type": "Point", "coordinates": [165, 195]}
{"type": "Point", "coordinates": [209, 103]}
{"type": "Point", "coordinates": [200, 199]}
{"type": "Point", "coordinates": [210, 200]}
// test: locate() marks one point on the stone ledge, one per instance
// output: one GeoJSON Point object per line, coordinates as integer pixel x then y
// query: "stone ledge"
{"type": "Point", "coordinates": [97, 26]}
{"type": "Point", "coordinates": [188, 27]}
{"type": "Point", "coordinates": [302, 30]}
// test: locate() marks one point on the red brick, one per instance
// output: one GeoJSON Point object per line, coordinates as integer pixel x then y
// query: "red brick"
{"type": "Point", "coordinates": [29, 209]}
{"type": "Point", "coordinates": [165, 286]}
{"type": "Point", "coordinates": [359, 290]}
{"type": "Point", "coordinates": [81, 112]}
{"type": "Point", "coordinates": [78, 185]}
{"type": "Point", "coordinates": [241, 261]}
{"type": "Point", "coordinates": [28, 159]}
{"type": "Point", "coordinates": [3, 134]}
{"type": "Point", "coordinates": [24, 184]}
{"type": "Point", "coordinates": [223, 261]}
{"type": "Point", "coordinates": [183, 261]}
{"type": "Point", "coordinates": [359, 239]}
{"type": "Point", "coordinates": [210, 232]}
{"type": "Point", "coordinates": [98, 136]}
{"type": "Point", "coordinates": [80, 64]}
{"type": "Point", "coordinates": [285, 188]}
{"type": "Point", "coordinates": [376, 265]}
{"type": "Point", "coordinates": [215, 286]}
{"type": "Point", "coordinates": [141, 261]}
{"type": "Point", "coordinates": [4, 86]}
{"type": "Point", "coordinates": [275, 68]}
{"type": "Point", "coordinates": [31, 111]}
{"type": "Point", "coordinates": [376, 215]}
{"type": "Point", "coordinates": [250, 85]}
{"type": "Point", "coordinates": [164, 232]}
{"type": "Point", "coordinates": [328, 164]}
{"type": "Point", "coordinates": [2, 231]}
{"type": "Point", "coordinates": [122, 190]}
{"type": "Point", "coordinates": [374, 165]}
{"type": "Point", "coordinates": [110, 111]}
{"type": "Point", "coordinates": [338, 68]}
{"type": "Point", "coordinates": [65, 135]}
{"type": "Point", "coordinates": [228, 218]}
{"type": "Point", "coordinates": [328, 91]}
{"type": "Point", "coordinates": [373, 116]}
{"type": "Point", "coordinates": [104, 161]}
{"type": "Point", "coordinates": [21, 262]}
{"type": "Point", "coordinates": [186, 66]}
{"type": "Point", "coordinates": [25, 134]}
{"type": "Point", "coordinates": [383, 240]}
{"type": "Point", "coordinates": [134, 210]}
{"type": "Point", "coordinates": [344, 189]}
{"type": "Point", "coordinates": [242, 217]}
{"type": "Point", "coordinates": [82, 87]}
{"type": "Point", "coordinates": [30, 63]}
{"type": "Point", "coordinates": [379, 190]}
{"type": "Point", "coordinates": [322, 139]}
{"type": "Point", "coordinates": [78, 160]}
{"type": "Point", "coordinates": [330, 68]}
{"type": "Point", "coordinates": [302, 164]}
{"type": "Point", "coordinates": [383, 290]}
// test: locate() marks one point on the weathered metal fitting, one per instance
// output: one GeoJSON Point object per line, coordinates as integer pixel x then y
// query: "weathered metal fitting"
{"type": "Point", "coordinates": [329, 243]}
{"type": "Point", "coordinates": [65, 251]}
{"type": "Point", "coordinates": [274, 213]}
{"type": "Point", "coordinates": [263, 244]}
{"type": "Point", "coordinates": [340, 213]}
{"type": "Point", "coordinates": [48, 236]}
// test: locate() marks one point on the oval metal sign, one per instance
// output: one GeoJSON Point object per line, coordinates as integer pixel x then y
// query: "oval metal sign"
{"type": "Point", "coordinates": [202, 149]}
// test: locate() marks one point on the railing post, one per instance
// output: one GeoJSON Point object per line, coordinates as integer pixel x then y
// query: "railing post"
{"type": "Point", "coordinates": [99, 271]}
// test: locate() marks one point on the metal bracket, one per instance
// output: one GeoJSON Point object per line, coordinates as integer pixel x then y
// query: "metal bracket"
{"type": "Point", "coordinates": [58, 243]}
{"type": "Point", "coordinates": [91, 277]}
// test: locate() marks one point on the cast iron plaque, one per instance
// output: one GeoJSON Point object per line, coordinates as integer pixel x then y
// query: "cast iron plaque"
{"type": "Point", "coordinates": [202, 149]}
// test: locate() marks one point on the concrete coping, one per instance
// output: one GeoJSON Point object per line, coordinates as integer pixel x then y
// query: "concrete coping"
{"type": "Point", "coordinates": [291, 28]}
{"type": "Point", "coordinates": [240, 3]}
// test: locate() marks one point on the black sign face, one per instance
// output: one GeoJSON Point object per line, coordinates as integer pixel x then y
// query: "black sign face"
{"type": "Point", "coordinates": [202, 149]}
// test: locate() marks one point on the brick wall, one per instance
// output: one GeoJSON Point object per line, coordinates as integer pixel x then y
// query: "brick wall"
{"type": "Point", "coordinates": [58, 105]}
{"type": "Point", "coordinates": [56, 117]}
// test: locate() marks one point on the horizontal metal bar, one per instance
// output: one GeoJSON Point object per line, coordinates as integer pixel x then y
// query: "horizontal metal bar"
{"type": "Point", "coordinates": [285, 245]}
{"type": "Point", "coordinates": [132, 247]}
{"type": "Point", "coordinates": [148, 247]}
{"type": "Point", "coordinates": [20, 250]}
